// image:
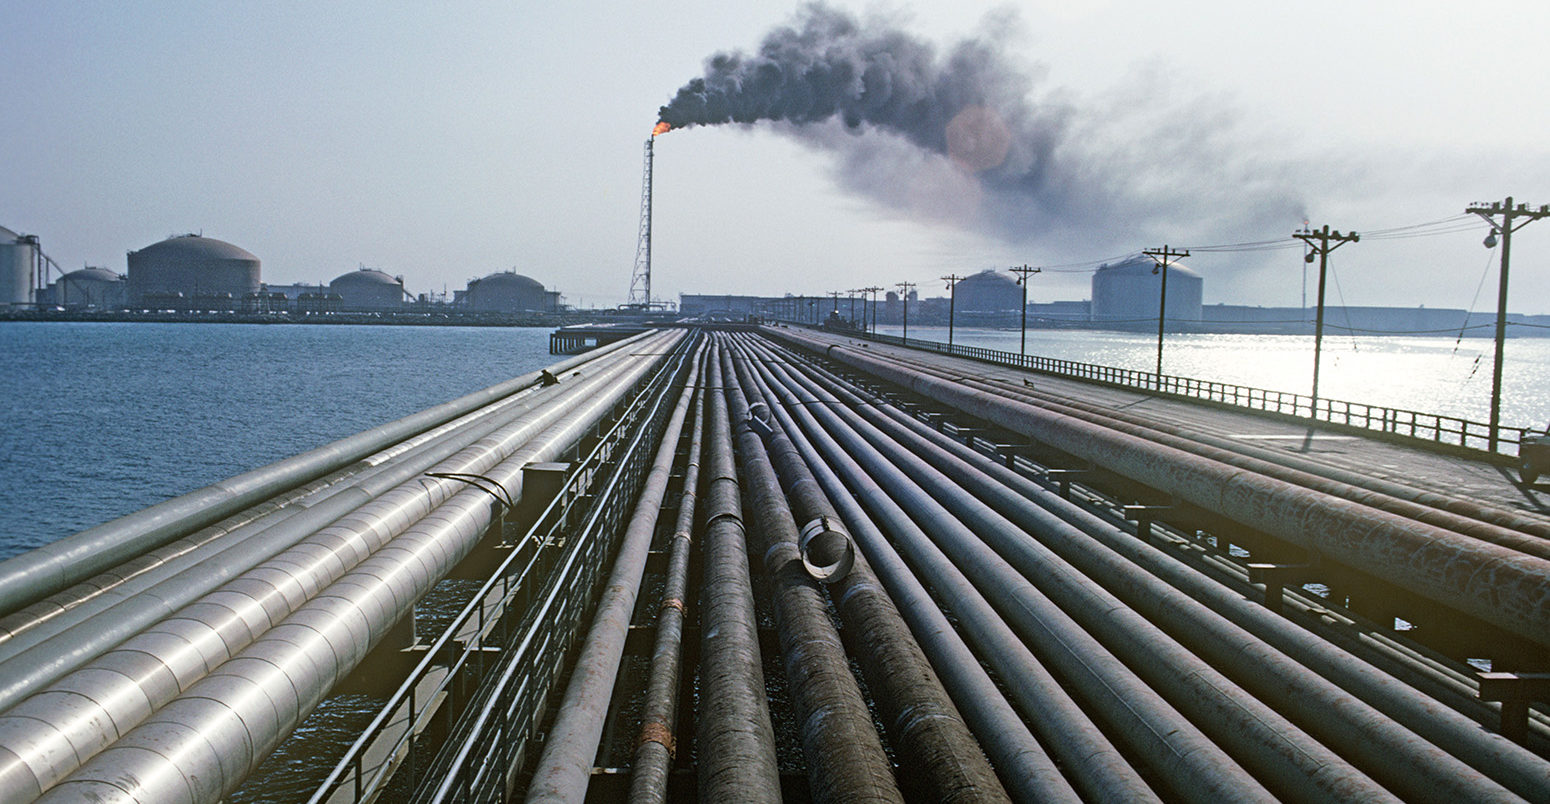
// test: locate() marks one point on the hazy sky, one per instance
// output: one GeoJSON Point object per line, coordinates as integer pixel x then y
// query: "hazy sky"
{"type": "Point", "coordinates": [450, 140]}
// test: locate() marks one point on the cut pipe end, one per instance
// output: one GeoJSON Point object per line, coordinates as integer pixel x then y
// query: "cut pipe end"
{"type": "Point", "coordinates": [827, 550]}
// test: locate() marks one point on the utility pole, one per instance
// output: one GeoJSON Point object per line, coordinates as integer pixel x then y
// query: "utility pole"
{"type": "Point", "coordinates": [952, 302]}
{"type": "Point", "coordinates": [1160, 256]}
{"type": "Point", "coordinates": [874, 291]}
{"type": "Point", "coordinates": [1327, 241]}
{"type": "Point", "coordinates": [904, 293]}
{"type": "Point", "coordinates": [852, 294]}
{"type": "Point", "coordinates": [1507, 212]}
{"type": "Point", "coordinates": [835, 294]}
{"type": "Point", "coordinates": [1023, 271]}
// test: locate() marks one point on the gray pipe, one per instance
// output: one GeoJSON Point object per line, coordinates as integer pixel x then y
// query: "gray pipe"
{"type": "Point", "coordinates": [657, 743]}
{"type": "Point", "coordinates": [845, 759]}
{"type": "Point", "coordinates": [1496, 584]}
{"type": "Point", "coordinates": [570, 747]}
{"type": "Point", "coordinates": [938, 757]}
{"type": "Point", "coordinates": [1397, 756]}
{"type": "Point", "coordinates": [48, 569]}
{"type": "Point", "coordinates": [201, 745]}
{"type": "Point", "coordinates": [735, 742]}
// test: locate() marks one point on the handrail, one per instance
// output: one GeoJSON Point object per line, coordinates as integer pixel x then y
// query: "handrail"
{"type": "Point", "coordinates": [1430, 428]}
{"type": "Point", "coordinates": [532, 568]}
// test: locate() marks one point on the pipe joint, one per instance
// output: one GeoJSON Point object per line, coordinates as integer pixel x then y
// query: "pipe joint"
{"type": "Point", "coordinates": [828, 552]}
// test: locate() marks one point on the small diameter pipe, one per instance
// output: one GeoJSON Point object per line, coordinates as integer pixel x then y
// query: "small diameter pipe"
{"type": "Point", "coordinates": [48, 569]}
{"type": "Point", "coordinates": [845, 759]}
{"type": "Point", "coordinates": [565, 767]}
{"type": "Point", "coordinates": [938, 757]}
{"type": "Point", "coordinates": [735, 742]}
{"type": "Point", "coordinates": [657, 744]}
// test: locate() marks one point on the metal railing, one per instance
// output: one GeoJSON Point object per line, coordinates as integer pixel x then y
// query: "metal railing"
{"type": "Point", "coordinates": [490, 671]}
{"type": "Point", "coordinates": [1408, 424]}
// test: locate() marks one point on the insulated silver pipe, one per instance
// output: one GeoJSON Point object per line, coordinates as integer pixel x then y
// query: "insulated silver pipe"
{"type": "Point", "coordinates": [48, 569]}
{"type": "Point", "coordinates": [203, 744]}
{"type": "Point", "coordinates": [356, 610]}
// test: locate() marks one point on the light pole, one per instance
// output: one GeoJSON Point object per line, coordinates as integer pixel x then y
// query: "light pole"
{"type": "Point", "coordinates": [1160, 256]}
{"type": "Point", "coordinates": [904, 294]}
{"type": "Point", "coordinates": [1023, 271]}
{"type": "Point", "coordinates": [1322, 249]}
{"type": "Point", "coordinates": [1505, 229]}
{"type": "Point", "coordinates": [952, 302]}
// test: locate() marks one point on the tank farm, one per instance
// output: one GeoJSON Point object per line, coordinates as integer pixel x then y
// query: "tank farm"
{"type": "Point", "coordinates": [742, 563]}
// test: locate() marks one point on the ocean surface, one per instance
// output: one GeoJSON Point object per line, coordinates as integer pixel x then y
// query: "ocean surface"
{"type": "Point", "coordinates": [104, 419]}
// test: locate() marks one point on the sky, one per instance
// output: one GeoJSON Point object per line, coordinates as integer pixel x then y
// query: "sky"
{"type": "Point", "coordinates": [447, 141]}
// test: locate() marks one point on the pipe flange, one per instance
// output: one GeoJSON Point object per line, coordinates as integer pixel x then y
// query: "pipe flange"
{"type": "Point", "coordinates": [827, 550]}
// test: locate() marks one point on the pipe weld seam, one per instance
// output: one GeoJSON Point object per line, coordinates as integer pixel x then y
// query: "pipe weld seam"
{"type": "Point", "coordinates": [675, 603]}
{"type": "Point", "coordinates": [655, 731]}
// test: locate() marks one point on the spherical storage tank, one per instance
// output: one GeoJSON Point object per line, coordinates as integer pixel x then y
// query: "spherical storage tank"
{"type": "Point", "coordinates": [507, 292]}
{"type": "Point", "coordinates": [368, 289]}
{"type": "Point", "coordinates": [17, 259]}
{"type": "Point", "coordinates": [193, 266]}
{"type": "Point", "coordinates": [1127, 291]}
{"type": "Point", "coordinates": [988, 291]}
{"type": "Point", "coordinates": [96, 288]}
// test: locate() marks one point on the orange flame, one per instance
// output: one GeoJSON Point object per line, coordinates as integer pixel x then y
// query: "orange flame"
{"type": "Point", "coordinates": [661, 128]}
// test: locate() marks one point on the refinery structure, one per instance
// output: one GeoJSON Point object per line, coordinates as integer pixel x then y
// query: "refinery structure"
{"type": "Point", "coordinates": [194, 274]}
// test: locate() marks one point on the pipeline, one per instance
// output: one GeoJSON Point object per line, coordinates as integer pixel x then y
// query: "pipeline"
{"type": "Point", "coordinates": [1472, 519]}
{"type": "Point", "coordinates": [1024, 767]}
{"type": "Point", "coordinates": [363, 517]}
{"type": "Point", "coordinates": [565, 767]}
{"type": "Point", "coordinates": [845, 760]}
{"type": "Point", "coordinates": [1501, 586]}
{"type": "Point", "coordinates": [244, 706]}
{"type": "Point", "coordinates": [1396, 756]}
{"type": "Point", "coordinates": [48, 569]}
{"type": "Point", "coordinates": [938, 756]}
{"type": "Point", "coordinates": [735, 741]}
{"type": "Point", "coordinates": [657, 743]}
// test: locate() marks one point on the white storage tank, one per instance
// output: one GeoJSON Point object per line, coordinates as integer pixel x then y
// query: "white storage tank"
{"type": "Point", "coordinates": [1125, 293]}
{"type": "Point", "coordinates": [18, 261]}
{"type": "Point", "coordinates": [194, 266]}
{"type": "Point", "coordinates": [369, 290]}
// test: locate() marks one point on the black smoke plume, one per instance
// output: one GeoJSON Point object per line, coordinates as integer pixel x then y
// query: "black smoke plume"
{"type": "Point", "coordinates": [959, 134]}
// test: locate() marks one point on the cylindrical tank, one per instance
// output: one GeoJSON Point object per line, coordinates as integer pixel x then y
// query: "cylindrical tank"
{"type": "Point", "coordinates": [368, 290]}
{"type": "Point", "coordinates": [96, 288]}
{"type": "Point", "coordinates": [507, 292]}
{"type": "Point", "coordinates": [1127, 291]}
{"type": "Point", "coordinates": [194, 266]}
{"type": "Point", "coordinates": [18, 257]}
{"type": "Point", "coordinates": [987, 292]}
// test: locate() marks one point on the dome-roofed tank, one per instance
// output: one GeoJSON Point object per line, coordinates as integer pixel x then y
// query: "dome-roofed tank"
{"type": "Point", "coordinates": [368, 289]}
{"type": "Point", "coordinates": [194, 266]}
{"type": "Point", "coordinates": [1127, 291]}
{"type": "Point", "coordinates": [90, 287]}
{"type": "Point", "coordinates": [508, 292]}
{"type": "Point", "coordinates": [18, 260]}
{"type": "Point", "coordinates": [988, 291]}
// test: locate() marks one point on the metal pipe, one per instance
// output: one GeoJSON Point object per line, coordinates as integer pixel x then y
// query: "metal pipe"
{"type": "Point", "coordinates": [1399, 758]}
{"type": "Point", "coordinates": [284, 670]}
{"type": "Point", "coordinates": [48, 569]}
{"type": "Point", "coordinates": [364, 517]}
{"type": "Point", "coordinates": [735, 741]}
{"type": "Point", "coordinates": [565, 767]}
{"type": "Point", "coordinates": [845, 758]}
{"type": "Point", "coordinates": [1496, 584]}
{"type": "Point", "coordinates": [1365, 730]}
{"type": "Point", "coordinates": [657, 743]}
{"type": "Point", "coordinates": [939, 758]}
{"type": "Point", "coordinates": [1023, 766]}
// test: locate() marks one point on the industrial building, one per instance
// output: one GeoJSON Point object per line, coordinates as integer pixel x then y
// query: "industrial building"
{"type": "Point", "coordinates": [369, 290]}
{"type": "Point", "coordinates": [508, 292]}
{"type": "Point", "coordinates": [192, 271]}
{"type": "Point", "coordinates": [1126, 292]}
{"type": "Point", "coordinates": [87, 289]}
{"type": "Point", "coordinates": [18, 268]}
